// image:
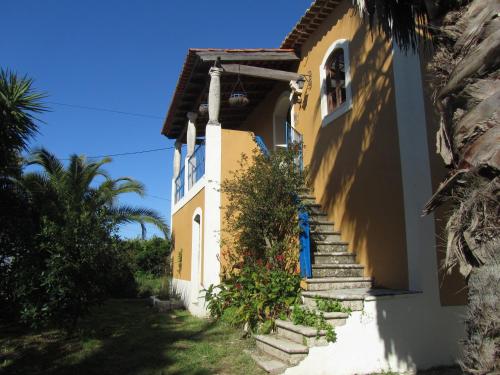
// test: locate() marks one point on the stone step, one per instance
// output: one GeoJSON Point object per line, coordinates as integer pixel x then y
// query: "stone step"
{"type": "Point", "coordinates": [353, 304]}
{"type": "Point", "coordinates": [285, 350]}
{"type": "Point", "coordinates": [330, 246]}
{"type": "Point", "coordinates": [325, 236]}
{"type": "Point", "coordinates": [318, 216]}
{"type": "Point", "coordinates": [337, 270]}
{"type": "Point", "coordinates": [308, 336]}
{"type": "Point", "coordinates": [307, 198]}
{"type": "Point", "coordinates": [336, 319]}
{"type": "Point", "coordinates": [352, 298]}
{"type": "Point", "coordinates": [268, 363]}
{"type": "Point", "coordinates": [326, 283]}
{"type": "Point", "coordinates": [341, 257]}
{"type": "Point", "coordinates": [321, 225]}
{"type": "Point", "coordinates": [314, 208]}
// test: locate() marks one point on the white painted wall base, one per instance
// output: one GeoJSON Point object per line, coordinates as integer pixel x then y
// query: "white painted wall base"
{"type": "Point", "coordinates": [398, 333]}
{"type": "Point", "coordinates": [195, 306]}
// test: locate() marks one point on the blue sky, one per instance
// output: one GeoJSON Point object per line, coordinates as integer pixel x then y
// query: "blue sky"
{"type": "Point", "coordinates": [125, 56]}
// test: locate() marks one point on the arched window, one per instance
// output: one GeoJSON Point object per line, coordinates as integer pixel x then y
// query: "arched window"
{"type": "Point", "coordinates": [336, 96]}
{"type": "Point", "coordinates": [335, 79]}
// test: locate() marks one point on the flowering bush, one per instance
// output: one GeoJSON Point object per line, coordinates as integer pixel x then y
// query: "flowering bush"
{"type": "Point", "coordinates": [260, 280]}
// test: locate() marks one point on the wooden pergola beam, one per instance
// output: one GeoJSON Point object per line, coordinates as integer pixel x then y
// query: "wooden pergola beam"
{"type": "Point", "coordinates": [253, 71]}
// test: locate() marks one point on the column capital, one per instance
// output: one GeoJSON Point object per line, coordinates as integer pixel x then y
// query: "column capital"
{"type": "Point", "coordinates": [214, 71]}
{"type": "Point", "coordinates": [192, 116]}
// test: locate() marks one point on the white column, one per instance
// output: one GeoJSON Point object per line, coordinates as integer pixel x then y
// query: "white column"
{"type": "Point", "coordinates": [214, 96]}
{"type": "Point", "coordinates": [415, 172]}
{"type": "Point", "coordinates": [213, 150]}
{"type": "Point", "coordinates": [177, 159]}
{"type": "Point", "coordinates": [191, 132]}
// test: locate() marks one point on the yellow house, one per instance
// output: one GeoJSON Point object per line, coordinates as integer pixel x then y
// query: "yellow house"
{"type": "Point", "coordinates": [363, 111]}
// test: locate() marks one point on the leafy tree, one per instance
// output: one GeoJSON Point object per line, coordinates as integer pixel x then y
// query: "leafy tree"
{"type": "Point", "coordinates": [73, 262]}
{"type": "Point", "coordinates": [465, 71]}
{"type": "Point", "coordinates": [151, 255]}
{"type": "Point", "coordinates": [69, 270]}
{"type": "Point", "coordinates": [260, 282]}
{"type": "Point", "coordinates": [19, 103]}
{"type": "Point", "coordinates": [261, 213]}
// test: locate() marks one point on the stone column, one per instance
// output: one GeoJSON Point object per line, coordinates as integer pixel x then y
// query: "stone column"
{"type": "Point", "coordinates": [214, 96]}
{"type": "Point", "coordinates": [213, 151]}
{"type": "Point", "coordinates": [177, 158]}
{"type": "Point", "coordinates": [191, 133]}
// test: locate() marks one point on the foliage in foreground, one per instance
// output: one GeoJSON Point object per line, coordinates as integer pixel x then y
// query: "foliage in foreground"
{"type": "Point", "coordinates": [254, 295]}
{"type": "Point", "coordinates": [260, 281]}
{"type": "Point", "coordinates": [72, 259]}
{"type": "Point", "coordinates": [315, 318]}
{"type": "Point", "coordinates": [261, 214]}
{"type": "Point", "coordinates": [127, 337]}
{"type": "Point", "coordinates": [310, 318]}
{"type": "Point", "coordinates": [148, 256]}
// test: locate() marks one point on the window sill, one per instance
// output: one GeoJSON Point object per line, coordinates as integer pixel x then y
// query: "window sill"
{"type": "Point", "coordinates": [338, 112]}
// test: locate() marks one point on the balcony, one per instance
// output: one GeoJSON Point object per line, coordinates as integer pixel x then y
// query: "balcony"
{"type": "Point", "coordinates": [196, 165]}
{"type": "Point", "coordinates": [179, 185]}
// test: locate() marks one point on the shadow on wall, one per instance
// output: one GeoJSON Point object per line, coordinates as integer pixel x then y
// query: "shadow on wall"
{"type": "Point", "coordinates": [356, 171]}
{"type": "Point", "coordinates": [355, 165]}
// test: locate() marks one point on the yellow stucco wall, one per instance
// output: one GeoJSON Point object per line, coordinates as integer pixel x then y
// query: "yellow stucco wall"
{"type": "Point", "coordinates": [234, 144]}
{"type": "Point", "coordinates": [354, 161]}
{"type": "Point", "coordinates": [260, 121]}
{"type": "Point", "coordinates": [182, 229]}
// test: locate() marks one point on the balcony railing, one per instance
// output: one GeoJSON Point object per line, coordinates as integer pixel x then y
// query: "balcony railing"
{"type": "Point", "coordinates": [196, 165]}
{"type": "Point", "coordinates": [179, 185]}
{"type": "Point", "coordinates": [294, 139]}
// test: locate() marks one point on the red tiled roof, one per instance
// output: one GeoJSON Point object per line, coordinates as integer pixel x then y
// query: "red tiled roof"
{"type": "Point", "coordinates": [309, 22]}
{"type": "Point", "coordinates": [189, 66]}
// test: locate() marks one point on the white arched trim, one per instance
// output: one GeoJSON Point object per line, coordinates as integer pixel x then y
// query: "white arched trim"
{"type": "Point", "coordinates": [283, 104]}
{"type": "Point", "coordinates": [326, 117]}
{"type": "Point", "coordinates": [196, 254]}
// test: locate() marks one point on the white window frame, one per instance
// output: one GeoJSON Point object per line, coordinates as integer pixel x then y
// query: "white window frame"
{"type": "Point", "coordinates": [328, 117]}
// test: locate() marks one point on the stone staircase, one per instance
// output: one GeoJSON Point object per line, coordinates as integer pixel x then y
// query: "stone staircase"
{"type": "Point", "coordinates": [336, 275]}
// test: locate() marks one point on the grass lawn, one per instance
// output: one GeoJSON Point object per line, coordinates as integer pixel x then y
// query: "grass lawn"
{"type": "Point", "coordinates": [127, 337]}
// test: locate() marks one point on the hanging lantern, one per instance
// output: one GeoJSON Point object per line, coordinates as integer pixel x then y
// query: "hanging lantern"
{"type": "Point", "coordinates": [203, 109]}
{"type": "Point", "coordinates": [238, 96]}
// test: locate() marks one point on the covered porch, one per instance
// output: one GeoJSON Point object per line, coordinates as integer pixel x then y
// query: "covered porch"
{"type": "Point", "coordinates": [210, 79]}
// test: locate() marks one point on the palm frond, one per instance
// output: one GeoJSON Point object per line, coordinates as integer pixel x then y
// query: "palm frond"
{"type": "Point", "coordinates": [397, 19]}
{"type": "Point", "coordinates": [18, 105]}
{"type": "Point", "coordinates": [48, 161]}
{"type": "Point", "coordinates": [128, 214]}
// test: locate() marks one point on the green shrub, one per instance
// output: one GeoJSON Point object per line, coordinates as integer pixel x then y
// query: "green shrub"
{"type": "Point", "coordinates": [255, 295]}
{"type": "Point", "coordinates": [305, 317]}
{"type": "Point", "coordinates": [147, 255]}
{"type": "Point", "coordinates": [151, 285]}
{"type": "Point", "coordinates": [70, 271]}
{"type": "Point", "coordinates": [262, 212]}
{"type": "Point", "coordinates": [330, 305]}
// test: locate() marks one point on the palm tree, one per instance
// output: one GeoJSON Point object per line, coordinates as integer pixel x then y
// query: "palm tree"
{"type": "Point", "coordinates": [465, 66]}
{"type": "Point", "coordinates": [58, 189]}
{"type": "Point", "coordinates": [18, 105]}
